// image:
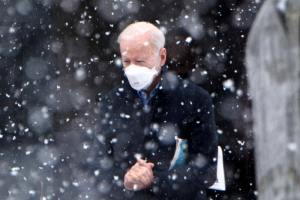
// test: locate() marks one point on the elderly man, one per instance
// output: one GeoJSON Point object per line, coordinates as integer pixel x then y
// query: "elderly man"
{"type": "Point", "coordinates": [157, 137]}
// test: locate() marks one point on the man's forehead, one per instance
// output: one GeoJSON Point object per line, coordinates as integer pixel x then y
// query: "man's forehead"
{"type": "Point", "coordinates": [127, 44]}
{"type": "Point", "coordinates": [124, 53]}
{"type": "Point", "coordinates": [133, 45]}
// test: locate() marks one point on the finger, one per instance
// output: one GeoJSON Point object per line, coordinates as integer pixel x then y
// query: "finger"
{"type": "Point", "coordinates": [145, 175]}
{"type": "Point", "coordinates": [151, 165]}
{"type": "Point", "coordinates": [144, 180]}
{"type": "Point", "coordinates": [144, 171]}
{"type": "Point", "coordinates": [136, 172]}
{"type": "Point", "coordinates": [136, 165]}
{"type": "Point", "coordinates": [131, 186]}
{"type": "Point", "coordinates": [137, 179]}
{"type": "Point", "coordinates": [129, 181]}
{"type": "Point", "coordinates": [132, 177]}
{"type": "Point", "coordinates": [141, 174]}
{"type": "Point", "coordinates": [141, 162]}
{"type": "Point", "coordinates": [135, 168]}
{"type": "Point", "coordinates": [145, 164]}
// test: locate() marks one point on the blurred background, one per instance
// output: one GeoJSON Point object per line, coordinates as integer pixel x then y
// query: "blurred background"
{"type": "Point", "coordinates": [58, 57]}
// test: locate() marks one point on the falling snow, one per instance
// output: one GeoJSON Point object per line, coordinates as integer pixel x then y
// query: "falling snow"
{"type": "Point", "coordinates": [58, 59]}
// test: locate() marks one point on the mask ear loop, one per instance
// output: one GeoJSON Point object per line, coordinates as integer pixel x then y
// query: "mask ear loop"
{"type": "Point", "coordinates": [157, 71]}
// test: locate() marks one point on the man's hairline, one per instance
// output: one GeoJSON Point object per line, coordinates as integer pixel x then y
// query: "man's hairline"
{"type": "Point", "coordinates": [155, 50]}
{"type": "Point", "coordinates": [150, 37]}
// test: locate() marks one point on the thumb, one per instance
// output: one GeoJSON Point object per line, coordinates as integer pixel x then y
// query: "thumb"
{"type": "Point", "coordinates": [145, 164]}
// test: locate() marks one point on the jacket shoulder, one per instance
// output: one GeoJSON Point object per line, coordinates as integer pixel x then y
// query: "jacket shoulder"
{"type": "Point", "coordinates": [174, 84]}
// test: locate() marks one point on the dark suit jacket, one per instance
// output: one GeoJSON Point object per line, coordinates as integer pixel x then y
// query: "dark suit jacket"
{"type": "Point", "coordinates": [128, 129]}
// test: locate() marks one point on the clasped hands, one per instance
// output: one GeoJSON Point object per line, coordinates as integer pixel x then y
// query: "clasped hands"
{"type": "Point", "coordinates": [140, 176]}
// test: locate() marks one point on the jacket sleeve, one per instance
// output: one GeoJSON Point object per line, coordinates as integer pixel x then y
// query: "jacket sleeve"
{"type": "Point", "coordinates": [200, 171]}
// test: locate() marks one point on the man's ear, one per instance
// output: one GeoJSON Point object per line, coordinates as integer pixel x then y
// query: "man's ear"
{"type": "Point", "coordinates": [163, 56]}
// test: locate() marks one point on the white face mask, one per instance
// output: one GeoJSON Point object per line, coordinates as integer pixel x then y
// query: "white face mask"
{"type": "Point", "coordinates": [140, 77]}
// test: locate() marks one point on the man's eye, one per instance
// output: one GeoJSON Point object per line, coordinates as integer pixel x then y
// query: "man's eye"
{"type": "Point", "coordinates": [140, 61]}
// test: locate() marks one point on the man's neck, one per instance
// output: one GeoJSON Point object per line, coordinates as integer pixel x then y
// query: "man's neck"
{"type": "Point", "coordinates": [154, 83]}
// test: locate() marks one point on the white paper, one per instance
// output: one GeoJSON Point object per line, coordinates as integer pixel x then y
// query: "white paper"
{"type": "Point", "coordinates": [220, 182]}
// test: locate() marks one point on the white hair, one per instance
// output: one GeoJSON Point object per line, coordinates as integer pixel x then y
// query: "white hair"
{"type": "Point", "coordinates": [131, 32]}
